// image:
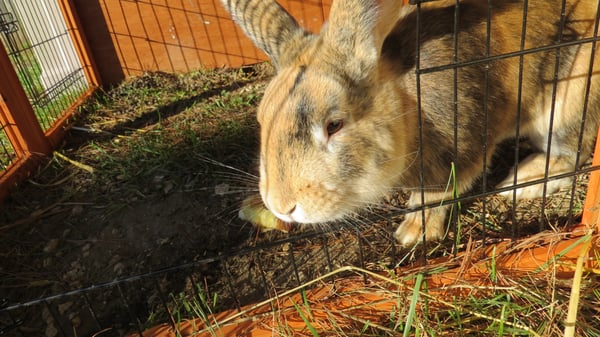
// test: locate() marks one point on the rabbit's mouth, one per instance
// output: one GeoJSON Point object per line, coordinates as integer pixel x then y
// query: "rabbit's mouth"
{"type": "Point", "coordinates": [296, 215]}
{"type": "Point", "coordinates": [308, 210]}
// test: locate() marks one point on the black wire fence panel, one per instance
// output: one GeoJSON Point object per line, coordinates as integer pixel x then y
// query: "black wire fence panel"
{"type": "Point", "coordinates": [42, 52]}
{"type": "Point", "coordinates": [250, 273]}
{"type": "Point", "coordinates": [228, 281]}
{"type": "Point", "coordinates": [7, 152]}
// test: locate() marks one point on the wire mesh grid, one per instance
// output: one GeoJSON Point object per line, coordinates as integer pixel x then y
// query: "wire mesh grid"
{"type": "Point", "coordinates": [7, 153]}
{"type": "Point", "coordinates": [134, 303]}
{"type": "Point", "coordinates": [40, 48]}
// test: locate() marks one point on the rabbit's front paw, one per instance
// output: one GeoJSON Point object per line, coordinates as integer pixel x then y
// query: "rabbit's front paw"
{"type": "Point", "coordinates": [410, 230]}
{"type": "Point", "coordinates": [533, 168]}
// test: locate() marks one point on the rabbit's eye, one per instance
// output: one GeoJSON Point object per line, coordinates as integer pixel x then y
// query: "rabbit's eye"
{"type": "Point", "coordinates": [334, 126]}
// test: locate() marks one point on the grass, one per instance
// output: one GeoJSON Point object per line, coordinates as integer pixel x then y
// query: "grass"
{"type": "Point", "coordinates": [178, 112]}
{"type": "Point", "coordinates": [199, 306]}
{"type": "Point", "coordinates": [47, 106]}
{"type": "Point", "coordinates": [148, 136]}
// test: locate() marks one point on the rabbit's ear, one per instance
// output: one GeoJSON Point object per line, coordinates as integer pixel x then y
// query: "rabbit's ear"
{"type": "Point", "coordinates": [270, 27]}
{"type": "Point", "coordinates": [356, 31]}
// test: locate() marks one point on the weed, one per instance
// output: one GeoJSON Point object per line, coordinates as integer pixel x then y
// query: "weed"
{"type": "Point", "coordinates": [413, 306]}
{"type": "Point", "coordinates": [306, 314]}
{"type": "Point", "coordinates": [199, 306]}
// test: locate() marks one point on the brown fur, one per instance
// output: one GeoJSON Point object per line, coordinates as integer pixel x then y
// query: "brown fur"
{"type": "Point", "coordinates": [361, 71]}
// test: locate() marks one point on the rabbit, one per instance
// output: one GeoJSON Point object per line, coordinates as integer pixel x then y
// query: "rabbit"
{"type": "Point", "coordinates": [346, 120]}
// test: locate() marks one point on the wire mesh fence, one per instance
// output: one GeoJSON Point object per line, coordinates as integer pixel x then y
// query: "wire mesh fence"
{"type": "Point", "coordinates": [7, 153]}
{"type": "Point", "coordinates": [249, 273]}
{"type": "Point", "coordinates": [40, 48]}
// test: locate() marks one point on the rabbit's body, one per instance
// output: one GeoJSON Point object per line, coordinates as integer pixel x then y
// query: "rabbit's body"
{"type": "Point", "coordinates": [340, 121]}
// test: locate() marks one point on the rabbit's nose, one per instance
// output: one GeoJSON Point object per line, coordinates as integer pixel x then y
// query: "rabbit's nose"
{"type": "Point", "coordinates": [292, 209]}
{"type": "Point", "coordinates": [278, 208]}
{"type": "Point", "coordinates": [287, 216]}
{"type": "Point", "coordinates": [298, 214]}
{"type": "Point", "coordinates": [294, 214]}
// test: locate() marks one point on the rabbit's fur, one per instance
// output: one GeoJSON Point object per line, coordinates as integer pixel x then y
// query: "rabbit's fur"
{"type": "Point", "coordinates": [340, 121]}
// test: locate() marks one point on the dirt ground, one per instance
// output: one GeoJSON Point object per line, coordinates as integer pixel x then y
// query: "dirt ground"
{"type": "Point", "coordinates": [148, 182]}
{"type": "Point", "coordinates": [150, 176]}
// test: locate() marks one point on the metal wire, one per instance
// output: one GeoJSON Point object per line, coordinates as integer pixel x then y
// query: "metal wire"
{"type": "Point", "coordinates": [584, 114]}
{"type": "Point", "coordinates": [232, 292]}
{"type": "Point", "coordinates": [418, 72]}
{"type": "Point", "coordinates": [518, 121]}
{"type": "Point", "coordinates": [40, 48]}
{"type": "Point", "coordinates": [295, 264]}
{"type": "Point", "coordinates": [55, 318]}
{"type": "Point", "coordinates": [484, 136]}
{"type": "Point", "coordinates": [90, 308]}
{"type": "Point", "coordinates": [7, 153]}
{"type": "Point", "coordinates": [455, 215]}
{"type": "Point", "coordinates": [126, 303]}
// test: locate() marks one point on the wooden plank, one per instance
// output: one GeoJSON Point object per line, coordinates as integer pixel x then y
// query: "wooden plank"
{"type": "Point", "coordinates": [80, 42]}
{"type": "Point", "coordinates": [18, 112]}
{"type": "Point", "coordinates": [131, 37]}
{"type": "Point", "coordinates": [591, 208]}
{"type": "Point", "coordinates": [21, 126]}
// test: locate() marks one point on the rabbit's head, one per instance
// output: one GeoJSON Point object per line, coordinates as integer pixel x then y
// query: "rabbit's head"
{"type": "Point", "coordinates": [328, 144]}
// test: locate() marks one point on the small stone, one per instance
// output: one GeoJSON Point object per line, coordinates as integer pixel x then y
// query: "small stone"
{"type": "Point", "coordinates": [51, 330]}
{"type": "Point", "coordinates": [114, 259]}
{"type": "Point", "coordinates": [119, 268]}
{"type": "Point", "coordinates": [168, 186]}
{"type": "Point", "coordinates": [221, 189]}
{"type": "Point", "coordinates": [76, 322]}
{"type": "Point", "coordinates": [66, 232]}
{"type": "Point", "coordinates": [51, 246]}
{"type": "Point", "coordinates": [63, 307]}
{"type": "Point", "coordinates": [77, 210]}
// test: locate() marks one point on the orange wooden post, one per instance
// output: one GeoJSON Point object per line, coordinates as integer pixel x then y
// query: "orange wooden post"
{"type": "Point", "coordinates": [81, 45]}
{"type": "Point", "coordinates": [22, 126]}
{"type": "Point", "coordinates": [56, 132]}
{"type": "Point", "coordinates": [591, 208]}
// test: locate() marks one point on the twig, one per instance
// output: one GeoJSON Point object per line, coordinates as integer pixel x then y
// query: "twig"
{"type": "Point", "coordinates": [74, 162]}
{"type": "Point", "coordinates": [571, 320]}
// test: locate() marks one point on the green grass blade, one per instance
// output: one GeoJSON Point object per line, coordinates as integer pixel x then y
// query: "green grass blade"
{"type": "Point", "coordinates": [310, 327]}
{"type": "Point", "coordinates": [413, 305]}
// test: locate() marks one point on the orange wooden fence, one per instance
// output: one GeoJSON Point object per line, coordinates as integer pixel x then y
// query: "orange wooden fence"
{"type": "Point", "coordinates": [31, 144]}
{"type": "Point", "coordinates": [131, 37]}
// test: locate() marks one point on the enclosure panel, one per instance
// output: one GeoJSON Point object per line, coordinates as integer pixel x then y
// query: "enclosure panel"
{"type": "Point", "coordinates": [80, 42]}
{"type": "Point", "coordinates": [131, 37]}
{"type": "Point", "coordinates": [43, 54]}
{"type": "Point", "coordinates": [7, 152]}
{"type": "Point", "coordinates": [20, 135]}
{"type": "Point", "coordinates": [591, 210]}
{"type": "Point", "coordinates": [43, 81]}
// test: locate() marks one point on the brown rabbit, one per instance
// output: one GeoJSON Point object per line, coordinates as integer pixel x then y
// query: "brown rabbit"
{"type": "Point", "coordinates": [341, 125]}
